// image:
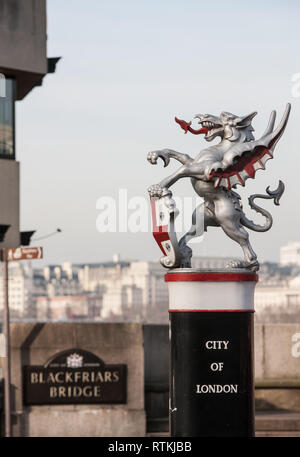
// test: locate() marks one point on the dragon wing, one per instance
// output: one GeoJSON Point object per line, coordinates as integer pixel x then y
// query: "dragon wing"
{"type": "Point", "coordinates": [243, 160]}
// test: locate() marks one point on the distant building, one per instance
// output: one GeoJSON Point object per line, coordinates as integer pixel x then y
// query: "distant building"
{"type": "Point", "coordinates": [20, 289]}
{"type": "Point", "coordinates": [131, 290]}
{"type": "Point", "coordinates": [290, 254]}
{"type": "Point", "coordinates": [76, 307]}
{"type": "Point", "coordinates": [108, 291]}
{"type": "Point", "coordinates": [278, 296]}
{"type": "Point", "coordinates": [278, 303]}
{"type": "Point", "coordinates": [211, 262]}
{"type": "Point", "coordinates": [62, 280]}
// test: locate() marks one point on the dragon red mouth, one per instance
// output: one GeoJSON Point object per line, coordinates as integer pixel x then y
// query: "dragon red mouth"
{"type": "Point", "coordinates": [206, 126]}
{"type": "Point", "coordinates": [186, 126]}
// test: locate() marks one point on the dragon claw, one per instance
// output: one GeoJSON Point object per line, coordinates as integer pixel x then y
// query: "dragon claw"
{"type": "Point", "coordinates": [154, 155]}
{"type": "Point", "coordinates": [252, 266]}
{"type": "Point", "coordinates": [156, 190]}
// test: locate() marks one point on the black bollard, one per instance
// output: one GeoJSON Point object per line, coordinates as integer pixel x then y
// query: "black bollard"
{"type": "Point", "coordinates": [211, 353]}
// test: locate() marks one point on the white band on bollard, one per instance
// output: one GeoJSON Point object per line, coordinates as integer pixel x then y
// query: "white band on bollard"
{"type": "Point", "coordinates": [199, 291]}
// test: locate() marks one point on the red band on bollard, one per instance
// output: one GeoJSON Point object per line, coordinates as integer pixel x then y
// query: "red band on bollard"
{"type": "Point", "coordinates": [211, 311]}
{"type": "Point", "coordinates": [207, 276]}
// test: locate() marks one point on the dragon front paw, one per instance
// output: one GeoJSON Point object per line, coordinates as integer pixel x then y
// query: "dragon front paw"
{"type": "Point", "coordinates": [156, 190]}
{"type": "Point", "coordinates": [154, 155]}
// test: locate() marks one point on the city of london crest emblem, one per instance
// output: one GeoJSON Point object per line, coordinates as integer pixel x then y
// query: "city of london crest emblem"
{"type": "Point", "coordinates": [74, 361]}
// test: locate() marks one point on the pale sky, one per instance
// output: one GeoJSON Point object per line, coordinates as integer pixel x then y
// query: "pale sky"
{"type": "Point", "coordinates": [127, 68]}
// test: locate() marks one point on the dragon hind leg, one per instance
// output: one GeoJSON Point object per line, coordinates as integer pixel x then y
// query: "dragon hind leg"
{"type": "Point", "coordinates": [239, 234]}
{"type": "Point", "coordinates": [197, 229]}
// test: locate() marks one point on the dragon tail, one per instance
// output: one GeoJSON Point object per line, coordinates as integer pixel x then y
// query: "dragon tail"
{"type": "Point", "coordinates": [273, 195]}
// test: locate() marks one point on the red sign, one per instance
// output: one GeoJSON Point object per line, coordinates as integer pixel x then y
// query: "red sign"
{"type": "Point", "coordinates": [24, 253]}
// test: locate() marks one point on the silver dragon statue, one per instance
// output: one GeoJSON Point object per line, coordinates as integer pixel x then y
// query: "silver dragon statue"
{"type": "Point", "coordinates": [214, 172]}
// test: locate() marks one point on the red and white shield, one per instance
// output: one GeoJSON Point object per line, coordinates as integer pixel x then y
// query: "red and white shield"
{"type": "Point", "coordinates": [164, 213]}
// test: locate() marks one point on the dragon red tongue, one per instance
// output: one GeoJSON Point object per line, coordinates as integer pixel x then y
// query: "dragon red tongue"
{"type": "Point", "coordinates": [186, 126]}
{"type": "Point", "coordinates": [202, 130]}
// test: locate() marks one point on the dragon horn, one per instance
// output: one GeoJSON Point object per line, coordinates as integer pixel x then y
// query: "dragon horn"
{"type": "Point", "coordinates": [271, 124]}
{"type": "Point", "coordinates": [276, 134]}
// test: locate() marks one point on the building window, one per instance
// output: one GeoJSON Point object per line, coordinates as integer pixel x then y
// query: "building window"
{"type": "Point", "coordinates": [293, 299]}
{"type": "Point", "coordinates": [7, 121]}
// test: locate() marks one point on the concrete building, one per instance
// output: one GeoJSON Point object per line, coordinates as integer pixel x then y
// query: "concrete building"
{"type": "Point", "coordinates": [23, 65]}
{"type": "Point", "coordinates": [290, 254]}
{"type": "Point", "coordinates": [23, 40]}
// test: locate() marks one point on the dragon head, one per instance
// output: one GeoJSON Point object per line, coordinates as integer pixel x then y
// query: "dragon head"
{"type": "Point", "coordinates": [228, 126]}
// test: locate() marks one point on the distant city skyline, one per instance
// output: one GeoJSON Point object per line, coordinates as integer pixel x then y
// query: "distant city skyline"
{"type": "Point", "coordinates": [127, 69]}
{"type": "Point", "coordinates": [289, 254]}
{"type": "Point", "coordinates": [132, 291]}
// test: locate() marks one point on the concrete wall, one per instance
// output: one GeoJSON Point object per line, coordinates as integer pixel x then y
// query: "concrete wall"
{"type": "Point", "coordinates": [34, 344]}
{"type": "Point", "coordinates": [277, 366]}
{"type": "Point", "coordinates": [145, 349]}
{"type": "Point", "coordinates": [10, 201]}
{"type": "Point", "coordinates": [277, 353]}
